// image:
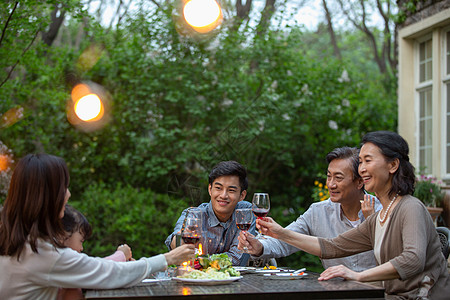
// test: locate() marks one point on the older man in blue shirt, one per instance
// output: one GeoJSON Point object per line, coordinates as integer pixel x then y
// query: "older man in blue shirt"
{"type": "Point", "coordinates": [227, 187]}
{"type": "Point", "coordinates": [344, 210]}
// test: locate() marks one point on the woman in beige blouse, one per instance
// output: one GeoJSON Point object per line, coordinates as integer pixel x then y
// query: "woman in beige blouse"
{"type": "Point", "coordinates": [410, 263]}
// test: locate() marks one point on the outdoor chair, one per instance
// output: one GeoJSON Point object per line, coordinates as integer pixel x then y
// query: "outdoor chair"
{"type": "Point", "coordinates": [444, 237]}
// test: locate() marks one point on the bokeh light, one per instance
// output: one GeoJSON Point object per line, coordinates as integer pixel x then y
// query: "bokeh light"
{"type": "Point", "coordinates": [6, 168]}
{"type": "Point", "coordinates": [89, 108]}
{"type": "Point", "coordinates": [202, 15]}
{"type": "Point", "coordinates": [11, 117]}
{"type": "Point", "coordinates": [4, 162]}
{"type": "Point", "coordinates": [90, 57]}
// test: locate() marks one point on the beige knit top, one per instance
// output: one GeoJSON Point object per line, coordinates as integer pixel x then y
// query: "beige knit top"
{"type": "Point", "coordinates": [410, 243]}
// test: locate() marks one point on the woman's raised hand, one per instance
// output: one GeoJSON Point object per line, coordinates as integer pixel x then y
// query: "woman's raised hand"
{"type": "Point", "coordinates": [368, 205]}
{"type": "Point", "coordinates": [180, 254]}
{"type": "Point", "coordinates": [269, 227]}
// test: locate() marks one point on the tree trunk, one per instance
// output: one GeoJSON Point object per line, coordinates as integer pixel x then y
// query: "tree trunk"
{"type": "Point", "coordinates": [81, 33]}
{"type": "Point", "coordinates": [336, 50]}
{"type": "Point", "coordinates": [49, 36]}
{"type": "Point", "coordinates": [381, 54]}
{"type": "Point", "coordinates": [242, 13]}
{"type": "Point", "coordinates": [266, 17]}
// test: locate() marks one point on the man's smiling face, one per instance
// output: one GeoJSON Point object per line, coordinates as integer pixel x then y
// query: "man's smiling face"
{"type": "Point", "coordinates": [342, 185]}
{"type": "Point", "coordinates": [225, 192]}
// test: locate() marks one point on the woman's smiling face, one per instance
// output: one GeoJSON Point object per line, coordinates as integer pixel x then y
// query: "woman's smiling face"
{"type": "Point", "coordinates": [375, 170]}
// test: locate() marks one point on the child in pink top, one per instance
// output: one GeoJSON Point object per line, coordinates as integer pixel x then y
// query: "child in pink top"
{"type": "Point", "coordinates": [78, 230]}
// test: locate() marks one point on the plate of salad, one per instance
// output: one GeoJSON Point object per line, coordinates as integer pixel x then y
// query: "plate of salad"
{"type": "Point", "coordinates": [214, 270]}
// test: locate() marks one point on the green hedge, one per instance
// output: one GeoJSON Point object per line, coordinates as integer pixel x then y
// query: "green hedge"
{"type": "Point", "coordinates": [123, 214]}
{"type": "Point", "coordinates": [143, 219]}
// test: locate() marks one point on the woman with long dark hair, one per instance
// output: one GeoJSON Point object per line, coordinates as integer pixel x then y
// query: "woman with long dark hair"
{"type": "Point", "coordinates": [410, 262]}
{"type": "Point", "coordinates": [33, 261]}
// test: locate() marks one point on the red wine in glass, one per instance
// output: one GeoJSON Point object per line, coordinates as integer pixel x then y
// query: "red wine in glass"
{"type": "Point", "coordinates": [190, 239]}
{"type": "Point", "coordinates": [260, 207]}
{"type": "Point", "coordinates": [243, 226]}
{"type": "Point", "coordinates": [260, 212]}
{"type": "Point", "coordinates": [244, 218]}
{"type": "Point", "coordinates": [191, 233]}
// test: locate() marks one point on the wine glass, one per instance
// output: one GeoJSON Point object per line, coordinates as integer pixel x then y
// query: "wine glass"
{"type": "Point", "coordinates": [260, 207]}
{"type": "Point", "coordinates": [244, 218]}
{"type": "Point", "coordinates": [192, 231]}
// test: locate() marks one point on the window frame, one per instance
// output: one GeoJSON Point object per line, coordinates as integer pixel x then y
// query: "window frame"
{"type": "Point", "coordinates": [418, 88]}
{"type": "Point", "coordinates": [444, 81]}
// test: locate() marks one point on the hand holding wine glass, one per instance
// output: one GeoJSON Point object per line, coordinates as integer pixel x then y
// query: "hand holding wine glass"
{"type": "Point", "coordinates": [260, 207]}
{"type": "Point", "coordinates": [269, 227]}
{"type": "Point", "coordinates": [244, 218]}
{"type": "Point", "coordinates": [191, 233]}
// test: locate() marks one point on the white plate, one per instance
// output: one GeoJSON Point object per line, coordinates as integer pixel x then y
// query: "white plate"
{"type": "Point", "coordinates": [154, 280]}
{"type": "Point", "coordinates": [206, 281]}
{"type": "Point", "coordinates": [268, 271]}
{"type": "Point", "coordinates": [286, 276]}
{"type": "Point", "coordinates": [244, 269]}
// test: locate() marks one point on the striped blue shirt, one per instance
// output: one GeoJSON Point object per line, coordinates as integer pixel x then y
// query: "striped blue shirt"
{"type": "Point", "coordinates": [218, 237]}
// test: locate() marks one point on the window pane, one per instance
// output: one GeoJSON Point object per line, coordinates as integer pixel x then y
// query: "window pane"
{"type": "Point", "coordinates": [425, 61]}
{"type": "Point", "coordinates": [429, 70]}
{"type": "Point", "coordinates": [422, 159]}
{"type": "Point", "coordinates": [429, 166]}
{"type": "Point", "coordinates": [448, 52]}
{"type": "Point", "coordinates": [429, 104]}
{"type": "Point", "coordinates": [448, 130]}
{"type": "Point", "coordinates": [422, 134]}
{"type": "Point", "coordinates": [422, 51]}
{"type": "Point", "coordinates": [428, 132]}
{"type": "Point", "coordinates": [425, 129]}
{"type": "Point", "coordinates": [448, 159]}
{"type": "Point", "coordinates": [448, 120]}
{"type": "Point", "coordinates": [422, 105]}
{"type": "Point", "coordinates": [448, 97]}
{"type": "Point", "coordinates": [428, 49]}
{"type": "Point", "coordinates": [422, 72]}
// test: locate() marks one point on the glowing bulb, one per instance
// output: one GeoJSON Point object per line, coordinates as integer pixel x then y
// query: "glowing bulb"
{"type": "Point", "coordinates": [89, 108]}
{"type": "Point", "coordinates": [202, 15]}
{"type": "Point", "coordinates": [4, 162]}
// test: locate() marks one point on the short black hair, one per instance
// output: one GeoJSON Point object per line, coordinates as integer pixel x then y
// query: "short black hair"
{"type": "Point", "coordinates": [350, 153]}
{"type": "Point", "coordinates": [393, 146]}
{"type": "Point", "coordinates": [230, 168]}
{"type": "Point", "coordinates": [74, 221]}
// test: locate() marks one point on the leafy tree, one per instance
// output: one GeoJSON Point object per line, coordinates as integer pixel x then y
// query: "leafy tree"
{"type": "Point", "coordinates": [277, 101]}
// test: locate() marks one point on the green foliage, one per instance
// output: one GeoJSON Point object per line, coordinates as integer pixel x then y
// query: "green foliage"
{"type": "Point", "coordinates": [406, 8]}
{"type": "Point", "coordinates": [320, 191]}
{"type": "Point", "coordinates": [428, 190]}
{"type": "Point", "coordinates": [277, 103]}
{"type": "Point", "coordinates": [122, 214]}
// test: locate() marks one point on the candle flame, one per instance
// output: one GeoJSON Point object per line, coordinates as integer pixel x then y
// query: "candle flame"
{"type": "Point", "coordinates": [186, 263]}
{"type": "Point", "coordinates": [186, 291]}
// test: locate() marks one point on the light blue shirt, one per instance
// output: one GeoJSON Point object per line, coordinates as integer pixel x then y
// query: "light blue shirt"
{"type": "Point", "coordinates": [220, 237]}
{"type": "Point", "coordinates": [323, 219]}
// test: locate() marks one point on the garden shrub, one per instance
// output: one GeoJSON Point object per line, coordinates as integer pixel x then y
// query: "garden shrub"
{"type": "Point", "coordinates": [140, 218]}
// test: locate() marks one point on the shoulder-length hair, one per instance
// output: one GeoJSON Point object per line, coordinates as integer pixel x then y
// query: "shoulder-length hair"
{"type": "Point", "coordinates": [393, 146]}
{"type": "Point", "coordinates": [33, 205]}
